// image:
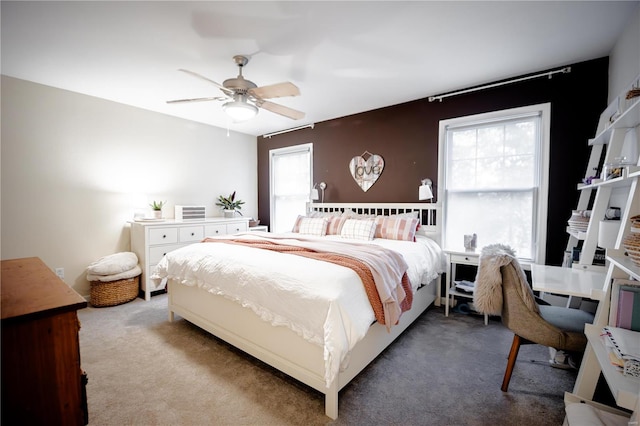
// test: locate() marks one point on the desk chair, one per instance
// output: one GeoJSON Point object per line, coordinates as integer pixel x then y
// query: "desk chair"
{"type": "Point", "coordinates": [502, 289]}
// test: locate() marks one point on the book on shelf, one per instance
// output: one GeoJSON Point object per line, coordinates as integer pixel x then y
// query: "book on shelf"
{"type": "Point", "coordinates": [625, 304]}
{"type": "Point", "coordinates": [624, 349]}
{"type": "Point", "coordinates": [465, 286]}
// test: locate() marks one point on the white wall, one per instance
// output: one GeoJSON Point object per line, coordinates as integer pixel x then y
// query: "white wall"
{"type": "Point", "coordinates": [75, 167]}
{"type": "Point", "coordinates": [624, 60]}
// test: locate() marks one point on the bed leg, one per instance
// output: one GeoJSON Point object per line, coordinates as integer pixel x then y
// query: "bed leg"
{"type": "Point", "coordinates": [331, 400]}
{"type": "Point", "coordinates": [171, 316]}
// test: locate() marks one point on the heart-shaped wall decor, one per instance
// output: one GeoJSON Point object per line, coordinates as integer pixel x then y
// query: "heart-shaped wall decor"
{"type": "Point", "coordinates": [366, 172]}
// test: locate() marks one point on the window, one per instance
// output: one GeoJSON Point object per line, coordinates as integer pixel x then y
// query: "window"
{"type": "Point", "coordinates": [290, 171]}
{"type": "Point", "coordinates": [493, 179]}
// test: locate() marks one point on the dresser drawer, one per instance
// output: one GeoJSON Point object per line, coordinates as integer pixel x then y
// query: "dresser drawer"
{"type": "Point", "coordinates": [213, 230]}
{"type": "Point", "coordinates": [163, 235]}
{"type": "Point", "coordinates": [189, 234]}
{"type": "Point", "coordinates": [233, 228]}
{"type": "Point", "coordinates": [156, 253]}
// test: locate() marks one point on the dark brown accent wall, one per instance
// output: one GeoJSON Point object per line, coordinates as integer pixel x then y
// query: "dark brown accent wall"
{"type": "Point", "coordinates": [406, 136]}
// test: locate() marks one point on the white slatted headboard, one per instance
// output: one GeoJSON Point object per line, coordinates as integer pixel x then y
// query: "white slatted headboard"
{"type": "Point", "coordinates": [429, 214]}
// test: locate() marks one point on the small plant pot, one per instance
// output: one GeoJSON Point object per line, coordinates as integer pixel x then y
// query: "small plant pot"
{"type": "Point", "coordinates": [157, 214]}
{"type": "Point", "coordinates": [229, 213]}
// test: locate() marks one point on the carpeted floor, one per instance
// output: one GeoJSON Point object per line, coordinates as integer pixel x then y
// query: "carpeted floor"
{"type": "Point", "coordinates": [144, 370]}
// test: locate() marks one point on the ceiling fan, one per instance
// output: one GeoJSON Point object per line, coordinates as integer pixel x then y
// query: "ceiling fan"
{"type": "Point", "coordinates": [243, 97]}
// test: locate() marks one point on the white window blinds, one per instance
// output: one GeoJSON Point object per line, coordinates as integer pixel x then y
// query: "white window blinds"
{"type": "Point", "coordinates": [493, 180]}
{"type": "Point", "coordinates": [290, 183]}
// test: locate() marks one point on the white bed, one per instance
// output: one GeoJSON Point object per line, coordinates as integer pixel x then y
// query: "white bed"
{"type": "Point", "coordinates": [320, 353]}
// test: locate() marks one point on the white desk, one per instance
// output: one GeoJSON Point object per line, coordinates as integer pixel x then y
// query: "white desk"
{"type": "Point", "coordinates": [568, 281]}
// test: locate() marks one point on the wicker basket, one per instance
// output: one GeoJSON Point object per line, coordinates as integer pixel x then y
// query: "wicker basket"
{"type": "Point", "coordinates": [112, 293]}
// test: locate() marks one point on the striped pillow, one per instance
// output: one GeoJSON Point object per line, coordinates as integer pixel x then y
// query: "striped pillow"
{"type": "Point", "coordinates": [335, 225]}
{"type": "Point", "coordinates": [296, 224]}
{"type": "Point", "coordinates": [314, 226]}
{"type": "Point", "coordinates": [358, 229]}
{"type": "Point", "coordinates": [396, 228]}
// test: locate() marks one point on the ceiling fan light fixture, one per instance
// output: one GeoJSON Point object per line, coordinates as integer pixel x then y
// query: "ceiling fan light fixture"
{"type": "Point", "coordinates": [240, 111]}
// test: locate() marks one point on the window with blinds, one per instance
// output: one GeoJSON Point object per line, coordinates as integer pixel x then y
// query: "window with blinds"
{"type": "Point", "coordinates": [290, 171]}
{"type": "Point", "coordinates": [493, 179]}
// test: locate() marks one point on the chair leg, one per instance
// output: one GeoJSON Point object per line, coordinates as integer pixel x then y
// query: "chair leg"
{"type": "Point", "coordinates": [513, 354]}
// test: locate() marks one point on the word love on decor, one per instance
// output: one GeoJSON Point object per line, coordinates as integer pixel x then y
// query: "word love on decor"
{"type": "Point", "coordinates": [366, 171]}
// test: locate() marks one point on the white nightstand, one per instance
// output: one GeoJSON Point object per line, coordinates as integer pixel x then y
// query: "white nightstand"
{"type": "Point", "coordinates": [455, 258]}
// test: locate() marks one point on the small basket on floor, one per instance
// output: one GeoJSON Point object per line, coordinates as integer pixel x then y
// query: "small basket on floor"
{"type": "Point", "coordinates": [112, 293]}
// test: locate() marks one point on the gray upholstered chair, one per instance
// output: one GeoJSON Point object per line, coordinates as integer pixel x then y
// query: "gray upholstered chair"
{"type": "Point", "coordinates": [554, 326]}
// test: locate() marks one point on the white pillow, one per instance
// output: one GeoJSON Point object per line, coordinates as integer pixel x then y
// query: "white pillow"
{"type": "Point", "coordinates": [113, 264]}
{"type": "Point", "coordinates": [314, 226]}
{"type": "Point", "coordinates": [358, 229]}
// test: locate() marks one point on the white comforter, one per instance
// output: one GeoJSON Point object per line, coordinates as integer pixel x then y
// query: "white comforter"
{"type": "Point", "coordinates": [324, 303]}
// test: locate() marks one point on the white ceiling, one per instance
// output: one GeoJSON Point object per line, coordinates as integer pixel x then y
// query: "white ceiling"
{"type": "Point", "coordinates": [346, 57]}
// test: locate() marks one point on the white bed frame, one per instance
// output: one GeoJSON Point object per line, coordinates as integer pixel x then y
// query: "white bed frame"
{"type": "Point", "coordinates": [282, 348]}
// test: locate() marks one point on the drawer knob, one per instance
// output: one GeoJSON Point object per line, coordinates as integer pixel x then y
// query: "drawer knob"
{"type": "Point", "coordinates": [217, 231]}
{"type": "Point", "coordinates": [164, 236]}
{"type": "Point", "coordinates": [192, 234]}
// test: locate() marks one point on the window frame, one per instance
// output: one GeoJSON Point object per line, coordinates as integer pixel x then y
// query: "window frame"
{"type": "Point", "coordinates": [302, 148]}
{"type": "Point", "coordinates": [541, 190]}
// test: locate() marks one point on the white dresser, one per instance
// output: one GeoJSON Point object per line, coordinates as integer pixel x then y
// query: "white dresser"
{"type": "Point", "coordinates": [150, 241]}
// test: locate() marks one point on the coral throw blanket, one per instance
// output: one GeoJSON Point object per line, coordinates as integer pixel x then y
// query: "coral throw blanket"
{"type": "Point", "coordinates": [388, 298]}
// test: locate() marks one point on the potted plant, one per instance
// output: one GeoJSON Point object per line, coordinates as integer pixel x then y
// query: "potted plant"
{"type": "Point", "coordinates": [230, 205]}
{"type": "Point", "coordinates": [156, 206]}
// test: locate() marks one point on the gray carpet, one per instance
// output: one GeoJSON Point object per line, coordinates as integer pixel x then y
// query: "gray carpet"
{"type": "Point", "coordinates": [144, 370]}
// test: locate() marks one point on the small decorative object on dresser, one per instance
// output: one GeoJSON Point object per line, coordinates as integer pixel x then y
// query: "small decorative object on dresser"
{"type": "Point", "coordinates": [230, 205]}
{"type": "Point", "coordinates": [190, 212]}
{"type": "Point", "coordinates": [156, 206]}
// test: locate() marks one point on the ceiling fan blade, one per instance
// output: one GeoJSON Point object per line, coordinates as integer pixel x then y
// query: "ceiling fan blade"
{"type": "Point", "coordinates": [218, 85]}
{"type": "Point", "coordinates": [275, 90]}
{"type": "Point", "coordinates": [215, 98]}
{"type": "Point", "coordinates": [281, 109]}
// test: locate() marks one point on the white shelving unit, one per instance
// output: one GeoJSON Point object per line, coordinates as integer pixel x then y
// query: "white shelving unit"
{"type": "Point", "coordinates": [612, 137]}
{"type": "Point", "coordinates": [625, 390]}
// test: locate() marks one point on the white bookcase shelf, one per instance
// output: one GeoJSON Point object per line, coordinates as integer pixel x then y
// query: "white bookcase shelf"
{"type": "Point", "coordinates": [629, 118]}
{"type": "Point", "coordinates": [625, 390]}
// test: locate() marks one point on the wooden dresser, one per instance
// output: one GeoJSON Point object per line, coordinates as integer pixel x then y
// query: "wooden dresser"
{"type": "Point", "coordinates": [42, 382]}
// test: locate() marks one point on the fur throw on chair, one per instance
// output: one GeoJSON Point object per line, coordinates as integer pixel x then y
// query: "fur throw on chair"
{"type": "Point", "coordinates": [487, 297]}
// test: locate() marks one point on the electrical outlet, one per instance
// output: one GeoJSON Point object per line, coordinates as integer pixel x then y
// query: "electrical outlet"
{"type": "Point", "coordinates": [60, 273]}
